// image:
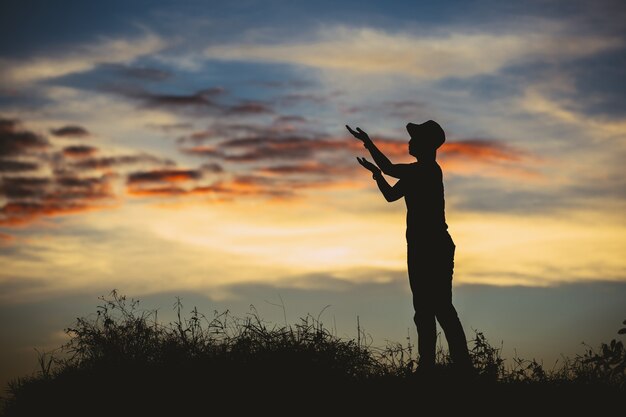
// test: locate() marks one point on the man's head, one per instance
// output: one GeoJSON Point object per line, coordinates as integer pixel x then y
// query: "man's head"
{"type": "Point", "coordinates": [426, 138]}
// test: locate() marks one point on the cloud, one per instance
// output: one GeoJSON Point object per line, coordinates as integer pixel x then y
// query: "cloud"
{"type": "Point", "coordinates": [139, 73]}
{"type": "Point", "coordinates": [106, 162]}
{"type": "Point", "coordinates": [222, 131]}
{"type": "Point", "coordinates": [64, 184]}
{"type": "Point", "coordinates": [211, 167]}
{"type": "Point", "coordinates": [179, 182]}
{"type": "Point", "coordinates": [263, 183]}
{"type": "Point", "coordinates": [281, 162]}
{"type": "Point", "coordinates": [16, 141]}
{"type": "Point", "coordinates": [18, 213]}
{"type": "Point", "coordinates": [202, 98]}
{"type": "Point", "coordinates": [248, 107]}
{"type": "Point", "coordinates": [474, 195]}
{"type": "Point", "coordinates": [6, 239]}
{"type": "Point", "coordinates": [24, 187]}
{"type": "Point", "coordinates": [301, 159]}
{"type": "Point", "coordinates": [78, 58]}
{"type": "Point", "coordinates": [205, 101]}
{"type": "Point", "coordinates": [490, 158]}
{"type": "Point", "coordinates": [295, 98]}
{"type": "Point", "coordinates": [202, 150]}
{"type": "Point", "coordinates": [453, 54]}
{"type": "Point", "coordinates": [70, 131]}
{"type": "Point", "coordinates": [33, 197]}
{"type": "Point", "coordinates": [170, 127]}
{"type": "Point", "coordinates": [8, 124]}
{"type": "Point", "coordinates": [276, 160]}
{"type": "Point", "coordinates": [401, 109]}
{"type": "Point", "coordinates": [9, 165]}
{"type": "Point", "coordinates": [164, 175]}
{"type": "Point", "coordinates": [288, 147]}
{"type": "Point", "coordinates": [163, 191]}
{"type": "Point", "coordinates": [250, 185]}
{"type": "Point", "coordinates": [535, 100]}
{"type": "Point", "coordinates": [247, 185]}
{"type": "Point", "coordinates": [198, 137]}
{"type": "Point", "coordinates": [288, 119]}
{"type": "Point", "coordinates": [481, 149]}
{"type": "Point", "coordinates": [281, 84]}
{"type": "Point", "coordinates": [258, 149]}
{"type": "Point", "coordinates": [306, 168]}
{"type": "Point", "coordinates": [79, 151]}
{"type": "Point", "coordinates": [78, 182]}
{"type": "Point", "coordinates": [249, 143]}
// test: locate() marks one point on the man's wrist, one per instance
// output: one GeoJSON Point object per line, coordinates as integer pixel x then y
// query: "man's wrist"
{"type": "Point", "coordinates": [377, 175]}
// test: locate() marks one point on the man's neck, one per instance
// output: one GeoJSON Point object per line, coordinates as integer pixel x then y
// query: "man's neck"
{"type": "Point", "coordinates": [427, 157]}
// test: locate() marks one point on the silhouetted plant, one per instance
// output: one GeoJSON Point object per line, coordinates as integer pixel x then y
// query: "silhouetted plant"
{"type": "Point", "coordinates": [606, 366]}
{"type": "Point", "coordinates": [487, 359]}
{"type": "Point", "coordinates": [124, 351]}
{"type": "Point", "coordinates": [524, 370]}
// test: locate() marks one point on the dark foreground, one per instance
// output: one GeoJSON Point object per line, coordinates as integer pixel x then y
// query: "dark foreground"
{"type": "Point", "coordinates": [122, 363]}
{"type": "Point", "coordinates": [183, 391]}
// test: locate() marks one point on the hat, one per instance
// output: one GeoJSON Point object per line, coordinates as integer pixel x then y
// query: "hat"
{"type": "Point", "coordinates": [429, 132]}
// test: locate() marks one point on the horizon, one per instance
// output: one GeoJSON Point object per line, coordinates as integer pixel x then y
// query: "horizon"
{"type": "Point", "coordinates": [198, 149]}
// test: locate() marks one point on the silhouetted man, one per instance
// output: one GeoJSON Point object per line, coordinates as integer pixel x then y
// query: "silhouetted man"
{"type": "Point", "coordinates": [430, 248]}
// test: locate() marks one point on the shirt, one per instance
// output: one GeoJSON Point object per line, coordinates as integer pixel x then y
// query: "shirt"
{"type": "Point", "coordinates": [422, 186]}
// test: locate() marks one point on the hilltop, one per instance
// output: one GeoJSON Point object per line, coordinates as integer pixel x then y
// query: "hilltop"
{"type": "Point", "coordinates": [122, 361]}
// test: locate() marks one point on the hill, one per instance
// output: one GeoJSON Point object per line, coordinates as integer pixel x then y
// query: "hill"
{"type": "Point", "coordinates": [122, 361]}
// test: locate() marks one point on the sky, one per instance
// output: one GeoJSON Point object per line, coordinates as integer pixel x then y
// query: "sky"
{"type": "Point", "coordinates": [198, 149]}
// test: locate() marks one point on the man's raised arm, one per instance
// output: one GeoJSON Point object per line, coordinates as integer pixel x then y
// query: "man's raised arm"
{"type": "Point", "coordinates": [389, 168]}
{"type": "Point", "coordinates": [390, 193]}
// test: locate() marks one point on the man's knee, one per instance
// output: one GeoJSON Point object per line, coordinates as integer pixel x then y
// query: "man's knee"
{"type": "Point", "coordinates": [446, 314]}
{"type": "Point", "coordinates": [424, 318]}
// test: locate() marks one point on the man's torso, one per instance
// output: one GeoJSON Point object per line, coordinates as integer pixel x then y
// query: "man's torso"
{"type": "Point", "coordinates": [424, 197]}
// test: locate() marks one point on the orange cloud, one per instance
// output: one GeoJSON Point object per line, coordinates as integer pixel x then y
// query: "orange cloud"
{"type": "Point", "coordinates": [20, 213]}
{"type": "Point", "coordinates": [479, 157]}
{"type": "Point", "coordinates": [291, 161]}
{"type": "Point", "coordinates": [481, 149]}
{"type": "Point", "coordinates": [61, 192]}
{"type": "Point", "coordinates": [166, 191]}
{"type": "Point", "coordinates": [245, 186]}
{"type": "Point", "coordinates": [275, 162]}
{"type": "Point", "coordinates": [164, 175]}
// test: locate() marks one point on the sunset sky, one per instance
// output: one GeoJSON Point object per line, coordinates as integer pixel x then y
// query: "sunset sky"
{"type": "Point", "coordinates": [198, 149]}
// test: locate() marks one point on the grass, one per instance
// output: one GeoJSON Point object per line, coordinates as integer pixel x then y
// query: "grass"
{"type": "Point", "coordinates": [123, 361]}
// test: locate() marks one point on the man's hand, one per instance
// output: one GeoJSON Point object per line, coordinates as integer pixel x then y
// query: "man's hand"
{"type": "Point", "coordinates": [360, 135]}
{"type": "Point", "coordinates": [369, 166]}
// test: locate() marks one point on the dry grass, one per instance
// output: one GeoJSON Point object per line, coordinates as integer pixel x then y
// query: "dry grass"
{"type": "Point", "coordinates": [123, 361]}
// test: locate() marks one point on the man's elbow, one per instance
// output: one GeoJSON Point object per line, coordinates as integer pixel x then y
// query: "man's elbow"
{"type": "Point", "coordinates": [387, 169]}
{"type": "Point", "coordinates": [391, 170]}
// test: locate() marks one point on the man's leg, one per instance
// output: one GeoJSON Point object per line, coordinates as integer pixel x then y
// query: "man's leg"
{"type": "Point", "coordinates": [451, 325]}
{"type": "Point", "coordinates": [424, 317]}
{"type": "Point", "coordinates": [446, 313]}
